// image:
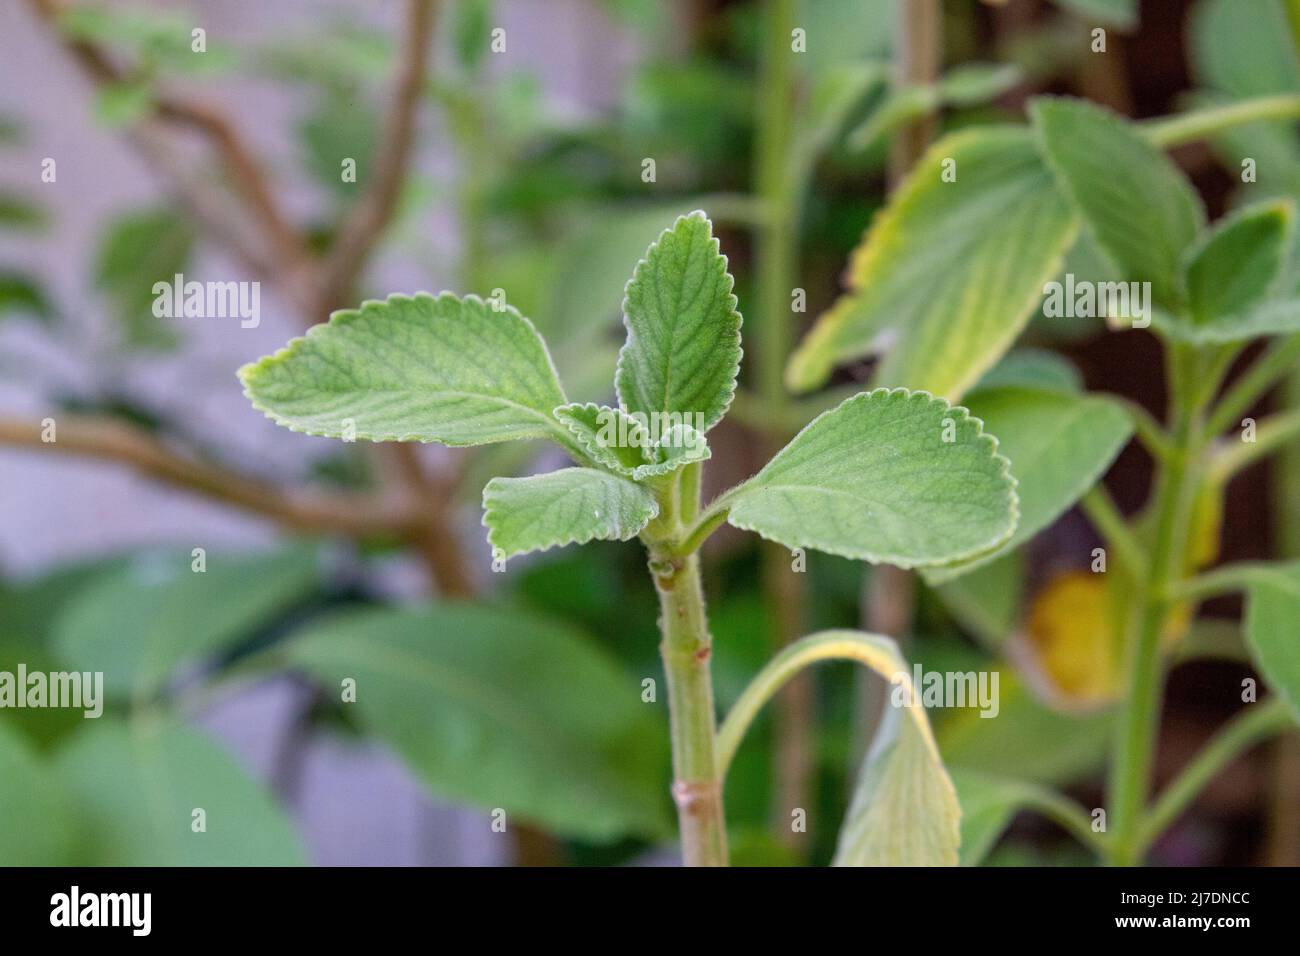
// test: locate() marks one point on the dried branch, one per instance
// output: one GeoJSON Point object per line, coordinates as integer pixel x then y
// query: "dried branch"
{"type": "Point", "coordinates": [366, 221]}
{"type": "Point", "coordinates": [112, 440]}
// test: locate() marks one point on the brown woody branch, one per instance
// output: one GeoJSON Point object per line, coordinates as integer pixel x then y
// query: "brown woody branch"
{"type": "Point", "coordinates": [367, 219]}
{"type": "Point", "coordinates": [112, 440]}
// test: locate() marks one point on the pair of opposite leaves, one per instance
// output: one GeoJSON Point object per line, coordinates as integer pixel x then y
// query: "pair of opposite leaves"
{"type": "Point", "coordinates": [888, 476]}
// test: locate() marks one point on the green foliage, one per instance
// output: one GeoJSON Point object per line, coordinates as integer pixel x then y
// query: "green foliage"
{"type": "Point", "coordinates": [39, 827]}
{"type": "Point", "coordinates": [572, 505]}
{"type": "Point", "coordinates": [951, 270]}
{"type": "Point", "coordinates": [682, 353]}
{"type": "Point", "coordinates": [1144, 220]}
{"type": "Point", "coordinates": [502, 710]}
{"type": "Point", "coordinates": [413, 368]}
{"type": "Point", "coordinates": [134, 789]}
{"type": "Point", "coordinates": [1059, 446]}
{"type": "Point", "coordinates": [136, 623]}
{"type": "Point", "coordinates": [1272, 610]}
{"type": "Point", "coordinates": [137, 250]}
{"type": "Point", "coordinates": [904, 810]}
{"type": "Point", "coordinates": [892, 477]}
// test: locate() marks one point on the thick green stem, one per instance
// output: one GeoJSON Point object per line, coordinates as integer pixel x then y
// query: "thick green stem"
{"type": "Point", "coordinates": [1130, 772]}
{"type": "Point", "coordinates": [686, 649]}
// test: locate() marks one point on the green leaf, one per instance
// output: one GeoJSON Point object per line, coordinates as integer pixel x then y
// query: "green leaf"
{"type": "Point", "coordinates": [1138, 206]}
{"type": "Point", "coordinates": [137, 623]}
{"type": "Point", "coordinates": [1239, 263]}
{"type": "Point", "coordinates": [135, 789]}
{"type": "Point", "coordinates": [136, 251]}
{"type": "Point", "coordinates": [503, 710]}
{"type": "Point", "coordinates": [1033, 368]}
{"type": "Point", "coordinates": [1273, 630]}
{"type": "Point", "coordinates": [1244, 56]}
{"type": "Point", "coordinates": [682, 352]}
{"type": "Point", "coordinates": [39, 828]}
{"type": "Point", "coordinates": [414, 368]}
{"type": "Point", "coordinates": [987, 601]}
{"type": "Point", "coordinates": [340, 128]}
{"type": "Point", "coordinates": [950, 270]}
{"type": "Point", "coordinates": [904, 810]}
{"type": "Point", "coordinates": [569, 506]}
{"type": "Point", "coordinates": [1059, 445]}
{"type": "Point", "coordinates": [680, 445]}
{"type": "Point", "coordinates": [1028, 740]}
{"type": "Point", "coordinates": [875, 480]}
{"type": "Point", "coordinates": [609, 435]}
{"type": "Point", "coordinates": [988, 805]}
{"type": "Point", "coordinates": [120, 104]}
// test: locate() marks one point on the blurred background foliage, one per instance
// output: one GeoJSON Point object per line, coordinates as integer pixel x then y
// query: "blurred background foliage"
{"type": "Point", "coordinates": [529, 697]}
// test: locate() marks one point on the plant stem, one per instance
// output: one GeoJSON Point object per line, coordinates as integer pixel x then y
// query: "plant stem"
{"type": "Point", "coordinates": [1199, 124]}
{"type": "Point", "coordinates": [776, 177]}
{"type": "Point", "coordinates": [686, 649]}
{"type": "Point", "coordinates": [1268, 371]}
{"type": "Point", "coordinates": [1131, 766]}
{"type": "Point", "coordinates": [1255, 723]}
{"type": "Point", "coordinates": [1270, 435]}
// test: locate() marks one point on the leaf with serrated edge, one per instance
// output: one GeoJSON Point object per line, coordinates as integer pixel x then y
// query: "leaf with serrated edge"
{"type": "Point", "coordinates": [414, 368]}
{"type": "Point", "coordinates": [1058, 444]}
{"type": "Point", "coordinates": [951, 270]}
{"type": "Point", "coordinates": [611, 436]}
{"type": "Point", "coordinates": [874, 480]}
{"type": "Point", "coordinates": [1138, 206]}
{"type": "Point", "coordinates": [569, 506]}
{"type": "Point", "coordinates": [904, 810]}
{"type": "Point", "coordinates": [1273, 629]}
{"type": "Point", "coordinates": [682, 352]}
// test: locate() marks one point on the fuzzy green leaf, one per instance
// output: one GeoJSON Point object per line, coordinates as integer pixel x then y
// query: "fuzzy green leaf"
{"type": "Point", "coordinates": [1273, 629]}
{"type": "Point", "coordinates": [609, 435]}
{"type": "Point", "coordinates": [904, 810]}
{"type": "Point", "coordinates": [499, 709]}
{"type": "Point", "coordinates": [569, 506]}
{"type": "Point", "coordinates": [1138, 206]}
{"type": "Point", "coordinates": [1058, 444]}
{"type": "Point", "coordinates": [951, 270]}
{"type": "Point", "coordinates": [679, 446]}
{"type": "Point", "coordinates": [682, 352]}
{"type": "Point", "coordinates": [414, 368]}
{"type": "Point", "coordinates": [877, 480]}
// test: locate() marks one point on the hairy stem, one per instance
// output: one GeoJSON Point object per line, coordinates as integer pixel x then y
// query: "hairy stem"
{"type": "Point", "coordinates": [686, 649]}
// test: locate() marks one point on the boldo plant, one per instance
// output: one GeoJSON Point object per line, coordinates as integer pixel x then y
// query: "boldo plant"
{"type": "Point", "coordinates": [889, 475]}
